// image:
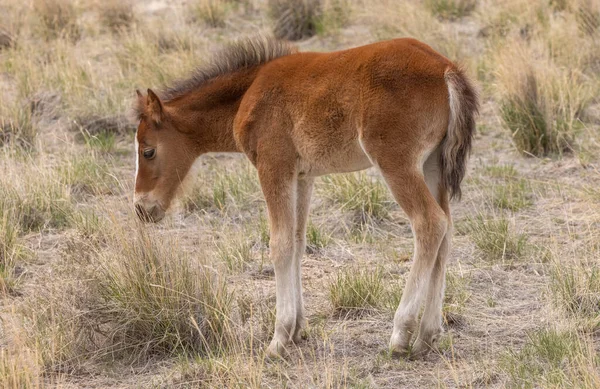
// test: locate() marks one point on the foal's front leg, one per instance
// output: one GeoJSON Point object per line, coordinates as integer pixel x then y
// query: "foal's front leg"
{"type": "Point", "coordinates": [279, 188]}
{"type": "Point", "coordinates": [304, 191]}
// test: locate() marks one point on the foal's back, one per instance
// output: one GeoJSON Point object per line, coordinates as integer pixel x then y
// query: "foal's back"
{"type": "Point", "coordinates": [320, 106]}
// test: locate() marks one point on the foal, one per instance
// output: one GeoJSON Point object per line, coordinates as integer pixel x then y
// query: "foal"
{"type": "Point", "coordinates": [396, 105]}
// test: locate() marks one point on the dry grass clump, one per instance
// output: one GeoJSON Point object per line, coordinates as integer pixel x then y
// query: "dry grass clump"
{"type": "Point", "coordinates": [545, 84]}
{"type": "Point", "coordinates": [525, 113]}
{"type": "Point", "coordinates": [116, 15]}
{"type": "Point", "coordinates": [213, 12]}
{"type": "Point", "coordinates": [100, 132]}
{"type": "Point", "coordinates": [391, 19]}
{"type": "Point", "coordinates": [137, 300]}
{"type": "Point", "coordinates": [19, 369]}
{"type": "Point", "coordinates": [159, 67]}
{"type": "Point", "coordinates": [544, 110]}
{"type": "Point", "coordinates": [52, 325]}
{"type": "Point", "coordinates": [17, 126]}
{"type": "Point", "coordinates": [576, 289]}
{"type": "Point", "coordinates": [451, 9]}
{"type": "Point", "coordinates": [335, 15]}
{"type": "Point", "coordinates": [58, 18]}
{"type": "Point", "coordinates": [86, 174]}
{"type": "Point", "coordinates": [456, 296]}
{"type": "Point", "coordinates": [157, 300]}
{"type": "Point", "coordinates": [295, 19]}
{"type": "Point", "coordinates": [38, 200]}
{"type": "Point", "coordinates": [553, 358]}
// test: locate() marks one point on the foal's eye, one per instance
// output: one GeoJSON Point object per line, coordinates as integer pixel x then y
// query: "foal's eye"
{"type": "Point", "coordinates": [149, 153]}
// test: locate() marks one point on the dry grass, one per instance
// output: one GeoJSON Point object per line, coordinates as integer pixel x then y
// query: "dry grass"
{"type": "Point", "coordinates": [451, 9]}
{"type": "Point", "coordinates": [19, 370]}
{"type": "Point", "coordinates": [58, 18]}
{"type": "Point", "coordinates": [90, 298]}
{"type": "Point", "coordinates": [295, 19]}
{"type": "Point", "coordinates": [157, 301]}
{"type": "Point", "coordinates": [116, 15]}
{"type": "Point", "coordinates": [213, 12]}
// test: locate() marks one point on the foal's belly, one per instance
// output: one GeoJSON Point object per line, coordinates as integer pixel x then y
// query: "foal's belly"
{"type": "Point", "coordinates": [335, 158]}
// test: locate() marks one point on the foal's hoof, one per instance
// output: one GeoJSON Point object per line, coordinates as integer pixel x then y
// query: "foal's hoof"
{"type": "Point", "coordinates": [276, 350]}
{"type": "Point", "coordinates": [400, 344]}
{"type": "Point", "coordinates": [423, 347]}
{"type": "Point", "coordinates": [299, 336]}
{"type": "Point", "coordinates": [399, 352]}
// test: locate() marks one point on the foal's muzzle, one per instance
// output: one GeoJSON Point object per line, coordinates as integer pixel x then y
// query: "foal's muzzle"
{"type": "Point", "coordinates": [153, 213]}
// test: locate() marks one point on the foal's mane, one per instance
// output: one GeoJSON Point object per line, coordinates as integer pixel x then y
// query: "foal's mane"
{"type": "Point", "coordinates": [242, 54]}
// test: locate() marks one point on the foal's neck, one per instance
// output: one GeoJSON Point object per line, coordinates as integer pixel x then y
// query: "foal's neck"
{"type": "Point", "coordinates": [207, 113]}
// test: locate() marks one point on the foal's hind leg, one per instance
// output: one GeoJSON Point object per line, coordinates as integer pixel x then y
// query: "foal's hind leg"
{"type": "Point", "coordinates": [401, 171]}
{"type": "Point", "coordinates": [431, 321]}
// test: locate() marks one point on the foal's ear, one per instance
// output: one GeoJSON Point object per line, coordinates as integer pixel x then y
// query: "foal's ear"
{"type": "Point", "coordinates": [154, 107]}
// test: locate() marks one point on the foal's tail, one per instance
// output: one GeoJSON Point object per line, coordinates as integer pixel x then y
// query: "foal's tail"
{"type": "Point", "coordinates": [456, 146]}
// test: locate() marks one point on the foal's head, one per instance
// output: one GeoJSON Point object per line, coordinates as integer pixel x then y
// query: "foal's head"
{"type": "Point", "coordinates": [163, 157]}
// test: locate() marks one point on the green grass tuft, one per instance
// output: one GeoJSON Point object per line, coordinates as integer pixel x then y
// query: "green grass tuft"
{"type": "Point", "coordinates": [366, 197]}
{"type": "Point", "coordinates": [551, 358]}
{"type": "Point", "coordinates": [495, 238]}
{"type": "Point", "coordinates": [356, 290]}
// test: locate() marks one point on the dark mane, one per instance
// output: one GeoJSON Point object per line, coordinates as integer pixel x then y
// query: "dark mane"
{"type": "Point", "coordinates": [243, 54]}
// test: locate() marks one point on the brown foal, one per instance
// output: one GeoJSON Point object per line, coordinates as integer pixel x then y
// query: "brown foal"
{"type": "Point", "coordinates": [397, 105]}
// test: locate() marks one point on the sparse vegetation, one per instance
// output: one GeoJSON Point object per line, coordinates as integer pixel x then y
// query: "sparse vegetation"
{"type": "Point", "coordinates": [316, 238]}
{"type": "Point", "coordinates": [17, 126]}
{"type": "Point", "coordinates": [451, 9]}
{"type": "Point", "coordinates": [456, 297]}
{"type": "Point", "coordinates": [512, 195]}
{"type": "Point", "coordinates": [542, 103]}
{"type": "Point", "coordinates": [495, 238]}
{"type": "Point", "coordinates": [552, 358]}
{"type": "Point", "coordinates": [158, 301]}
{"type": "Point", "coordinates": [366, 197]}
{"type": "Point", "coordinates": [91, 298]}
{"type": "Point", "coordinates": [235, 253]}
